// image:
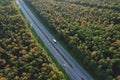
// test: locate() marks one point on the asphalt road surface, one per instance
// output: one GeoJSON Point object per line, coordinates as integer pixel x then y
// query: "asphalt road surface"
{"type": "Point", "coordinates": [72, 68]}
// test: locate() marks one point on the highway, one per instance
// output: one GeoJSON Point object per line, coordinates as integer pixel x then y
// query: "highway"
{"type": "Point", "coordinates": [72, 68]}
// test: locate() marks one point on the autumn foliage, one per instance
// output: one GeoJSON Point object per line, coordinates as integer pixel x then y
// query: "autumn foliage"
{"type": "Point", "coordinates": [20, 56]}
{"type": "Point", "coordinates": [90, 28]}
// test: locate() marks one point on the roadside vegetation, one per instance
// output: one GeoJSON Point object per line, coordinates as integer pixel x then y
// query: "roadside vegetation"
{"type": "Point", "coordinates": [90, 29]}
{"type": "Point", "coordinates": [21, 58]}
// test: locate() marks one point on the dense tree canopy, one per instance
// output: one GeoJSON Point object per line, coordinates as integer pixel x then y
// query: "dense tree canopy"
{"type": "Point", "coordinates": [20, 56]}
{"type": "Point", "coordinates": [90, 28]}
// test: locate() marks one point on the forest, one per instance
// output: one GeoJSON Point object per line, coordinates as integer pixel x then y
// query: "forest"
{"type": "Point", "coordinates": [21, 58]}
{"type": "Point", "coordinates": [89, 28]}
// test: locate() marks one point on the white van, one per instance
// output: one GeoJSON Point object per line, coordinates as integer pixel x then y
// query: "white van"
{"type": "Point", "coordinates": [54, 40]}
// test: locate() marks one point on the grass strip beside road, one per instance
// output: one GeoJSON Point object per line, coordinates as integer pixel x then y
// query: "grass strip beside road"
{"type": "Point", "coordinates": [48, 38]}
{"type": "Point", "coordinates": [45, 23]}
{"type": "Point", "coordinates": [40, 42]}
